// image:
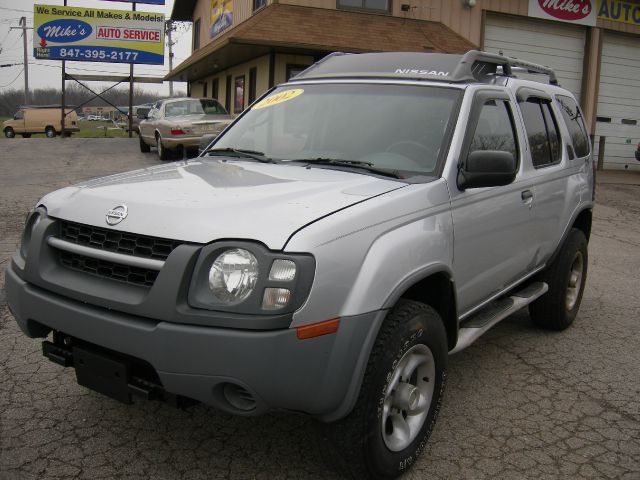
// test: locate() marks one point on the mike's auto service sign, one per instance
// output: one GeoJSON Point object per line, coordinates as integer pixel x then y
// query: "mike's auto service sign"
{"type": "Point", "coordinates": [97, 35]}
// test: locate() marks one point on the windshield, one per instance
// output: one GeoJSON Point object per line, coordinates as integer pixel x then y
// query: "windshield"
{"type": "Point", "coordinates": [398, 127]}
{"type": "Point", "coordinates": [194, 107]}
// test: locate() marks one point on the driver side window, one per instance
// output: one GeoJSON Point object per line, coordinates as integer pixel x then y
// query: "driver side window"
{"type": "Point", "coordinates": [495, 130]}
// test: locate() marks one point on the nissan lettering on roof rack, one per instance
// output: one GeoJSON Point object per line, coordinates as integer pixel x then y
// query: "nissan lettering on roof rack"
{"type": "Point", "coordinates": [407, 71]}
{"type": "Point", "coordinates": [323, 254]}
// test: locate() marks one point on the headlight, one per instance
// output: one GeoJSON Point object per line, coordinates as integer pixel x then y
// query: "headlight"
{"type": "Point", "coordinates": [246, 278]}
{"type": "Point", "coordinates": [233, 276]}
{"type": "Point", "coordinates": [32, 221]}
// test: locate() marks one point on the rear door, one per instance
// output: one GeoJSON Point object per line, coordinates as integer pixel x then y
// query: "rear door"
{"type": "Point", "coordinates": [147, 127]}
{"type": "Point", "coordinates": [555, 171]}
{"type": "Point", "coordinates": [493, 244]}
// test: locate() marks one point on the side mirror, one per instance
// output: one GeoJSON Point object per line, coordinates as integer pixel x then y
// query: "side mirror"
{"type": "Point", "coordinates": [487, 168]}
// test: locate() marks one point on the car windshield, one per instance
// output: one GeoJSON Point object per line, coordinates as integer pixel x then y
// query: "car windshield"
{"type": "Point", "coordinates": [194, 107]}
{"type": "Point", "coordinates": [396, 127]}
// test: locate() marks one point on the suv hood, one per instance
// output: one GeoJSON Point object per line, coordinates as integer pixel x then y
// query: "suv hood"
{"type": "Point", "coordinates": [208, 199]}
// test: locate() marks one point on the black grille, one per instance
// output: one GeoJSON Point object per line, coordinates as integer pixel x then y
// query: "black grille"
{"type": "Point", "coordinates": [103, 268]}
{"type": "Point", "coordinates": [114, 241]}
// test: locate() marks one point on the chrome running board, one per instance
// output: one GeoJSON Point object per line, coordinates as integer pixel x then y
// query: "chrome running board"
{"type": "Point", "coordinates": [495, 312]}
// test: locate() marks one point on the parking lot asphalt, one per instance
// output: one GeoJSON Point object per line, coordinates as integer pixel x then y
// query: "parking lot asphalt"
{"type": "Point", "coordinates": [521, 403]}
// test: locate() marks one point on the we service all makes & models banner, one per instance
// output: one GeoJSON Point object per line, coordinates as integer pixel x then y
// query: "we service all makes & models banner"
{"type": "Point", "coordinates": [96, 35]}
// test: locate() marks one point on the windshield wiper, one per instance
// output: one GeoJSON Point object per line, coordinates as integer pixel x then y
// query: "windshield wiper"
{"type": "Point", "coordinates": [368, 166]}
{"type": "Point", "coordinates": [259, 156]}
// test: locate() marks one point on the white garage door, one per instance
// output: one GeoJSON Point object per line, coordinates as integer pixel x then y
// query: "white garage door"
{"type": "Point", "coordinates": [554, 44]}
{"type": "Point", "coordinates": [618, 113]}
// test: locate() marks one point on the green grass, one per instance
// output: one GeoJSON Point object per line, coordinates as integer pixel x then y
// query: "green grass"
{"type": "Point", "coordinates": [88, 129]}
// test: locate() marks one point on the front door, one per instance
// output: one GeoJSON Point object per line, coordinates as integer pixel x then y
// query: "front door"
{"type": "Point", "coordinates": [18, 122]}
{"type": "Point", "coordinates": [493, 241]}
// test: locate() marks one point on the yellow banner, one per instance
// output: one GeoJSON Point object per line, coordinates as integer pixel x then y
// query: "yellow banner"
{"type": "Point", "coordinates": [97, 35]}
{"type": "Point", "coordinates": [622, 11]}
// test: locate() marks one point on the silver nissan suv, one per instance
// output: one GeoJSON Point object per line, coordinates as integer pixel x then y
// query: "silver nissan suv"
{"type": "Point", "coordinates": [327, 252]}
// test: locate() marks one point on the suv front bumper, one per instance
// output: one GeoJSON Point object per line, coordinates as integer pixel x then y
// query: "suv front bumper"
{"type": "Point", "coordinates": [320, 376]}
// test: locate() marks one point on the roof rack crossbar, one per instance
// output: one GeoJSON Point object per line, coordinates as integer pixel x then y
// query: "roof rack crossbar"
{"type": "Point", "coordinates": [469, 64]}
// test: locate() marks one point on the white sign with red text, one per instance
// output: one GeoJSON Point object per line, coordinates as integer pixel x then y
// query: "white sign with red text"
{"type": "Point", "coordinates": [582, 12]}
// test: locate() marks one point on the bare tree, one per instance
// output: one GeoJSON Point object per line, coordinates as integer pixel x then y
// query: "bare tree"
{"type": "Point", "coordinates": [11, 100]}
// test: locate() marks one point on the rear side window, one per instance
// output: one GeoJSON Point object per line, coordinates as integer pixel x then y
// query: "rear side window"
{"type": "Point", "coordinates": [542, 132]}
{"type": "Point", "coordinates": [494, 130]}
{"type": "Point", "coordinates": [572, 117]}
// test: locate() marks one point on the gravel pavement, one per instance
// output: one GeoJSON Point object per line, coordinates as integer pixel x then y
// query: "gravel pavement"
{"type": "Point", "coordinates": [521, 403]}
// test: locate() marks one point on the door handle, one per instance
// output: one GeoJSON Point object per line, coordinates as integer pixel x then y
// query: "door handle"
{"type": "Point", "coordinates": [527, 197]}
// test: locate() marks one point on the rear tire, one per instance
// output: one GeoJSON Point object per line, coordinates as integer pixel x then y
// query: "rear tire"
{"type": "Point", "coordinates": [566, 277]}
{"type": "Point", "coordinates": [163, 153]}
{"type": "Point", "coordinates": [400, 396]}
{"type": "Point", "coordinates": [50, 132]}
{"type": "Point", "coordinates": [144, 148]}
{"type": "Point", "coordinates": [9, 132]}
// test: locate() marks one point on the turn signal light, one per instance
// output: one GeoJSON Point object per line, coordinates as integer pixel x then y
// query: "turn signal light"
{"type": "Point", "coordinates": [318, 329]}
{"type": "Point", "coordinates": [178, 131]}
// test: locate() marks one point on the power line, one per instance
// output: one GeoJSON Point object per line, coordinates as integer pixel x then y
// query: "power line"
{"type": "Point", "coordinates": [3, 40]}
{"type": "Point", "coordinates": [16, 9]}
{"type": "Point", "coordinates": [12, 81]}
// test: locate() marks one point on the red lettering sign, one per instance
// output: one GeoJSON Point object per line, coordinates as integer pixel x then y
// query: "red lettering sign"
{"type": "Point", "coordinates": [567, 10]}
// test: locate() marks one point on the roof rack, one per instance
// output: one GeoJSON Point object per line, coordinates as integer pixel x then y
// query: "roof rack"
{"type": "Point", "coordinates": [473, 66]}
{"type": "Point", "coordinates": [475, 63]}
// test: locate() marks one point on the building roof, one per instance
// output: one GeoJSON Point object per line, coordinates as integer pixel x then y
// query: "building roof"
{"type": "Point", "coordinates": [317, 31]}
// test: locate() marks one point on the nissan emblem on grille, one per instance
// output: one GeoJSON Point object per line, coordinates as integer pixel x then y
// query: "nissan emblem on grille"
{"type": "Point", "coordinates": [116, 214]}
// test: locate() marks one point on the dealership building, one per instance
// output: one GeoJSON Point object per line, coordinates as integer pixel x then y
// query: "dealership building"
{"type": "Point", "coordinates": [241, 48]}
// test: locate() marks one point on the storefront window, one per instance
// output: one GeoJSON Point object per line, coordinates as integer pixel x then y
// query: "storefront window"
{"type": "Point", "coordinates": [377, 5]}
{"type": "Point", "coordinates": [238, 103]}
{"type": "Point", "coordinates": [293, 70]}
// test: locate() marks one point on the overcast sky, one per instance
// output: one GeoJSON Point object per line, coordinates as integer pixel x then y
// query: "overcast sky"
{"type": "Point", "coordinates": [47, 73]}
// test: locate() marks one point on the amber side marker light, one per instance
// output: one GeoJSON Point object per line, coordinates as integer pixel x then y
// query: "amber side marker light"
{"type": "Point", "coordinates": [318, 329]}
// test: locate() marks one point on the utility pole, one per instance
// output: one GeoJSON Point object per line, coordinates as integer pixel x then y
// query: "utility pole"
{"type": "Point", "coordinates": [130, 113]}
{"type": "Point", "coordinates": [24, 28]}
{"type": "Point", "coordinates": [63, 114]}
{"type": "Point", "coordinates": [169, 29]}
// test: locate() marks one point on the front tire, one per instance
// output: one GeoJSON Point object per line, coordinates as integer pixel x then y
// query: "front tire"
{"type": "Point", "coordinates": [400, 395]}
{"type": "Point", "coordinates": [566, 277]}
{"type": "Point", "coordinates": [50, 132]}
{"type": "Point", "coordinates": [9, 132]}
